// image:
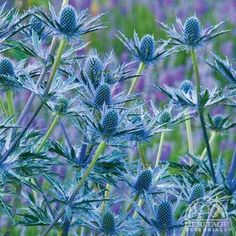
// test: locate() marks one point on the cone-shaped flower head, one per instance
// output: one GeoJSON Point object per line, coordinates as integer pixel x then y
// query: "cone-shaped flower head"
{"type": "Point", "coordinates": [192, 31]}
{"type": "Point", "coordinates": [164, 216]}
{"type": "Point", "coordinates": [147, 47]}
{"type": "Point", "coordinates": [110, 123]}
{"type": "Point", "coordinates": [186, 86]}
{"type": "Point", "coordinates": [6, 67]}
{"type": "Point", "coordinates": [68, 20]}
{"type": "Point", "coordinates": [61, 105]}
{"type": "Point", "coordinates": [165, 117]}
{"type": "Point", "coordinates": [36, 24]}
{"type": "Point", "coordinates": [108, 223]}
{"type": "Point", "coordinates": [103, 95]}
{"type": "Point", "coordinates": [198, 191]}
{"type": "Point", "coordinates": [144, 181]}
{"type": "Point", "coordinates": [93, 69]}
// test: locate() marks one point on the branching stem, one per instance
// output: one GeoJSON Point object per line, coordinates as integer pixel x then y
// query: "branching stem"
{"type": "Point", "coordinates": [10, 103]}
{"type": "Point", "coordinates": [189, 133]}
{"type": "Point", "coordinates": [136, 197]}
{"type": "Point", "coordinates": [201, 115]}
{"type": "Point", "coordinates": [49, 132]}
{"type": "Point", "coordinates": [160, 148]}
{"type": "Point", "coordinates": [101, 148]}
{"type": "Point", "coordinates": [134, 81]}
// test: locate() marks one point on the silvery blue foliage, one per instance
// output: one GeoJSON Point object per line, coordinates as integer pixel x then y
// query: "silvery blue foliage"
{"type": "Point", "coordinates": [224, 67]}
{"type": "Point", "coordinates": [10, 21]}
{"type": "Point", "coordinates": [180, 99]}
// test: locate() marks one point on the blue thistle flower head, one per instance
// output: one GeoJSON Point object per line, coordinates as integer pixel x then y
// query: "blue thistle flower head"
{"type": "Point", "coordinates": [144, 181]}
{"type": "Point", "coordinates": [217, 120]}
{"type": "Point", "coordinates": [147, 47]}
{"type": "Point", "coordinates": [192, 31]}
{"type": "Point", "coordinates": [93, 69]}
{"type": "Point", "coordinates": [164, 216]}
{"type": "Point", "coordinates": [220, 123]}
{"type": "Point", "coordinates": [145, 50]}
{"type": "Point", "coordinates": [61, 105]}
{"type": "Point", "coordinates": [68, 20]}
{"type": "Point", "coordinates": [186, 86]}
{"type": "Point", "coordinates": [108, 223]}
{"type": "Point", "coordinates": [36, 25]}
{"type": "Point", "coordinates": [110, 123]}
{"type": "Point", "coordinates": [69, 24]}
{"type": "Point", "coordinates": [190, 35]}
{"type": "Point", "coordinates": [6, 67]}
{"type": "Point", "coordinates": [164, 117]}
{"type": "Point", "coordinates": [198, 191]}
{"type": "Point", "coordinates": [103, 95]}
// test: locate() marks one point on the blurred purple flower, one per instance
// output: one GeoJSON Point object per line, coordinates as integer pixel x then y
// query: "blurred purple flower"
{"type": "Point", "coordinates": [227, 48]}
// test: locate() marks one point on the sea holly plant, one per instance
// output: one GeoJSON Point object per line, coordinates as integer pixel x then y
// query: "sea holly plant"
{"type": "Point", "coordinates": [144, 51]}
{"type": "Point", "coordinates": [97, 163]}
{"type": "Point", "coordinates": [190, 38]}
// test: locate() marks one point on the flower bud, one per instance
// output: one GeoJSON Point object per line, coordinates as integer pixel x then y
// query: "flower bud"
{"type": "Point", "coordinates": [186, 86]}
{"type": "Point", "coordinates": [93, 69]}
{"type": "Point", "coordinates": [217, 120]}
